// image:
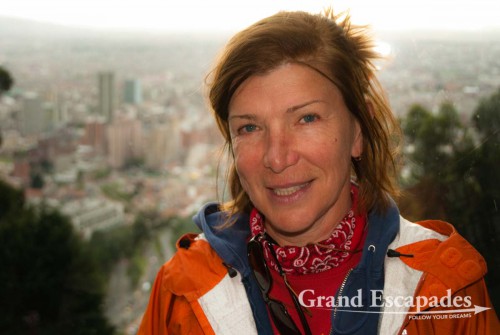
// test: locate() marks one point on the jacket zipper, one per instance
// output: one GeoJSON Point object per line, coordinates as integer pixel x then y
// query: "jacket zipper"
{"type": "Point", "coordinates": [341, 289]}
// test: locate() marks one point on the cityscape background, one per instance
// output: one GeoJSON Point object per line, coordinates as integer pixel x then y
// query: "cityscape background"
{"type": "Point", "coordinates": [106, 125]}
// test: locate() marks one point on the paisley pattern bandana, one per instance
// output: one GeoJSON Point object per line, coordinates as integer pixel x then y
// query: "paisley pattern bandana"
{"type": "Point", "coordinates": [318, 257]}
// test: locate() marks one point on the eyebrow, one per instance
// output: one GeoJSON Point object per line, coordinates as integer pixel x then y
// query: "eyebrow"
{"type": "Point", "coordinates": [305, 104]}
{"type": "Point", "coordinates": [289, 110]}
{"type": "Point", "coordinates": [242, 116]}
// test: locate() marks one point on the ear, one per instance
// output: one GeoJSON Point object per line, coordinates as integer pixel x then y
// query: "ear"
{"type": "Point", "coordinates": [357, 144]}
{"type": "Point", "coordinates": [370, 108]}
{"type": "Point", "coordinates": [357, 147]}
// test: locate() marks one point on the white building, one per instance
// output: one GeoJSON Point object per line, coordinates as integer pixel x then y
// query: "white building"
{"type": "Point", "coordinates": [91, 214]}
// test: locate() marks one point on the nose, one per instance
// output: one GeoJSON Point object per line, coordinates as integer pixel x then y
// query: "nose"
{"type": "Point", "coordinates": [280, 152]}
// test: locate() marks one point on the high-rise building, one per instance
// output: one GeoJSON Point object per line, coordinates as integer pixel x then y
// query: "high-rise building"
{"type": "Point", "coordinates": [132, 92]}
{"type": "Point", "coordinates": [32, 118]}
{"type": "Point", "coordinates": [107, 95]}
{"type": "Point", "coordinates": [124, 141]}
{"type": "Point", "coordinates": [163, 142]}
{"type": "Point", "coordinates": [156, 140]}
{"type": "Point", "coordinates": [95, 136]}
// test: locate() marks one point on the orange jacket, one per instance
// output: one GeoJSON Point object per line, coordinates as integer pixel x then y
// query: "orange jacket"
{"type": "Point", "coordinates": [174, 306]}
{"type": "Point", "coordinates": [452, 269]}
{"type": "Point", "coordinates": [194, 294]}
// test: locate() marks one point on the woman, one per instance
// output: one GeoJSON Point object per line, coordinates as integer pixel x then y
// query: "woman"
{"type": "Point", "coordinates": [311, 242]}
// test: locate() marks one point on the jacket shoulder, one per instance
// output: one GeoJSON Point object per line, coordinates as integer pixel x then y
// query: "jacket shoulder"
{"type": "Point", "coordinates": [194, 269]}
{"type": "Point", "coordinates": [444, 254]}
{"type": "Point", "coordinates": [173, 307]}
{"type": "Point", "coordinates": [454, 276]}
{"type": "Point", "coordinates": [436, 263]}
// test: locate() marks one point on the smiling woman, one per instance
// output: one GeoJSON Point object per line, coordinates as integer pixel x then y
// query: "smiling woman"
{"type": "Point", "coordinates": [294, 164]}
{"type": "Point", "coordinates": [311, 140]}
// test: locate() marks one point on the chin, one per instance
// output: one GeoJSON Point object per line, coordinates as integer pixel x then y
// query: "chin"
{"type": "Point", "coordinates": [291, 228]}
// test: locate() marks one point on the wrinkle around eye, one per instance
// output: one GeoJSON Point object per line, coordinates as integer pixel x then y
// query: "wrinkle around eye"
{"type": "Point", "coordinates": [309, 118]}
{"type": "Point", "coordinates": [249, 128]}
{"type": "Point", "coordinates": [246, 129]}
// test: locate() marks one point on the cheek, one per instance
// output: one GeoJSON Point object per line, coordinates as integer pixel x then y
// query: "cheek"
{"type": "Point", "coordinates": [331, 153]}
{"type": "Point", "coordinates": [246, 162]}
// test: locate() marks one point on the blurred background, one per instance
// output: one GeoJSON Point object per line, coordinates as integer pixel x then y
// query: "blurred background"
{"type": "Point", "coordinates": [107, 146]}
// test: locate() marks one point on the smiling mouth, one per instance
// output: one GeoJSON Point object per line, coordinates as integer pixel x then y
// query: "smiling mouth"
{"type": "Point", "coordinates": [288, 190]}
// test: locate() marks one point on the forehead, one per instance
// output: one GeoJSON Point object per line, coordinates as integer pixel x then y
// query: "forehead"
{"type": "Point", "coordinates": [286, 85]}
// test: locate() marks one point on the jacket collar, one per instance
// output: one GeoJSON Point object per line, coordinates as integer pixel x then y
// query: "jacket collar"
{"type": "Point", "coordinates": [230, 245]}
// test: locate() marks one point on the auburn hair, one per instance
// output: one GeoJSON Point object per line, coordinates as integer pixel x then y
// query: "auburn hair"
{"type": "Point", "coordinates": [342, 52]}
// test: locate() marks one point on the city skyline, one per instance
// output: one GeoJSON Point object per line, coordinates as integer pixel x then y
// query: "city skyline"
{"type": "Point", "coordinates": [228, 16]}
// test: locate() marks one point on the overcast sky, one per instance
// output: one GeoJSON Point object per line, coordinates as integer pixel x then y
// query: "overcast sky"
{"type": "Point", "coordinates": [232, 15]}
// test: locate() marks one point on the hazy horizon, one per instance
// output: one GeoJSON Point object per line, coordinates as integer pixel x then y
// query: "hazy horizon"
{"type": "Point", "coordinates": [220, 16]}
{"type": "Point", "coordinates": [32, 28]}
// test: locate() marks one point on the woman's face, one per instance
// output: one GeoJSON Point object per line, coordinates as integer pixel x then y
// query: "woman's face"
{"type": "Point", "coordinates": [293, 138]}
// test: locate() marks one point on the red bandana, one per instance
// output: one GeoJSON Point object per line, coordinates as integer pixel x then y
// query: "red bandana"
{"type": "Point", "coordinates": [317, 257]}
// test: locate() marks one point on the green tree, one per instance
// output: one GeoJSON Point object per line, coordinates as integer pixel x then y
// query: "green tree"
{"type": "Point", "coordinates": [11, 201]}
{"type": "Point", "coordinates": [110, 246]}
{"type": "Point", "coordinates": [434, 138]}
{"type": "Point", "coordinates": [484, 171]}
{"type": "Point", "coordinates": [454, 175]}
{"type": "Point", "coordinates": [37, 180]}
{"type": "Point", "coordinates": [49, 285]}
{"type": "Point", "coordinates": [6, 83]}
{"type": "Point", "coordinates": [6, 80]}
{"type": "Point", "coordinates": [433, 142]}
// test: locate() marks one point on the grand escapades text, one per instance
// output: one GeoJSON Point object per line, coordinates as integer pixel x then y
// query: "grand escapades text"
{"type": "Point", "coordinates": [308, 299]}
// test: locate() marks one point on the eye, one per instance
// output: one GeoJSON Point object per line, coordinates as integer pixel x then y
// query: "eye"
{"type": "Point", "coordinates": [248, 128]}
{"type": "Point", "coordinates": [308, 118]}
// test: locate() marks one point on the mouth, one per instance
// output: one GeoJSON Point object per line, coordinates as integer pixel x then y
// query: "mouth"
{"type": "Point", "coordinates": [287, 191]}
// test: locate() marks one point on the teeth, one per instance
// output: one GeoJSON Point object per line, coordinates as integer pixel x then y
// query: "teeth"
{"type": "Point", "coordinates": [288, 190]}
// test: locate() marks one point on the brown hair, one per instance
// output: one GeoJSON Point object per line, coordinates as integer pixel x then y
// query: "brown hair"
{"type": "Point", "coordinates": [343, 53]}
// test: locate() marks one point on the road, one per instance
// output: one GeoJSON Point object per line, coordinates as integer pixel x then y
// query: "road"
{"type": "Point", "coordinates": [124, 304]}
